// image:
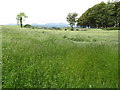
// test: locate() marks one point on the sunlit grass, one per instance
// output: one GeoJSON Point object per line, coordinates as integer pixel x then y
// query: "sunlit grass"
{"type": "Point", "coordinates": [59, 59]}
{"type": "Point", "coordinates": [0, 57]}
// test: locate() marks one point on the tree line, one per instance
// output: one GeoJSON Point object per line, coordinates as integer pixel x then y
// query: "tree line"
{"type": "Point", "coordinates": [101, 15]}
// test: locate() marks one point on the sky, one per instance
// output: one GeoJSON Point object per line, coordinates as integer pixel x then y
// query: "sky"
{"type": "Point", "coordinates": [43, 11]}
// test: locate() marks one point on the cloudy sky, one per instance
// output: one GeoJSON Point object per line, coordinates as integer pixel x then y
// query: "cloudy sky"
{"type": "Point", "coordinates": [43, 11]}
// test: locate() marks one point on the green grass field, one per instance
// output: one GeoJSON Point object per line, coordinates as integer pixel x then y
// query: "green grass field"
{"type": "Point", "coordinates": [36, 58]}
{"type": "Point", "coordinates": [0, 57]}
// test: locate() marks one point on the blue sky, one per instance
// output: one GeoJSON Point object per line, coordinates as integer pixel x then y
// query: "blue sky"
{"type": "Point", "coordinates": [43, 11]}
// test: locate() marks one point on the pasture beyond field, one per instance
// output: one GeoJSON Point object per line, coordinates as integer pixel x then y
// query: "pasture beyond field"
{"type": "Point", "coordinates": [36, 58]}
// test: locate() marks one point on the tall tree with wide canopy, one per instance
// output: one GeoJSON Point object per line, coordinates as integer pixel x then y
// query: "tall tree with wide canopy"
{"type": "Point", "coordinates": [94, 17]}
{"type": "Point", "coordinates": [71, 19]}
{"type": "Point", "coordinates": [20, 18]}
{"type": "Point", "coordinates": [101, 15]}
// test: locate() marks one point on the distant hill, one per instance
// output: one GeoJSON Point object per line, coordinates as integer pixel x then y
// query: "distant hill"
{"type": "Point", "coordinates": [47, 25]}
{"type": "Point", "coordinates": [35, 24]}
{"type": "Point", "coordinates": [51, 25]}
{"type": "Point", "coordinates": [10, 24]}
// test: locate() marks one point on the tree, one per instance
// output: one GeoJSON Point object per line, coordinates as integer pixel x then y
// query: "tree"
{"type": "Point", "coordinates": [71, 19]}
{"type": "Point", "coordinates": [20, 18]}
{"type": "Point", "coordinates": [116, 13]}
{"type": "Point", "coordinates": [17, 19]}
{"type": "Point", "coordinates": [95, 17]}
{"type": "Point", "coordinates": [101, 15]}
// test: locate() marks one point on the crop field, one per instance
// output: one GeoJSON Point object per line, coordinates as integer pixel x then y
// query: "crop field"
{"type": "Point", "coordinates": [38, 58]}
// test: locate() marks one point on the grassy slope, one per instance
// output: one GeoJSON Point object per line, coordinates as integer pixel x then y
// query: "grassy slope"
{"type": "Point", "coordinates": [59, 59]}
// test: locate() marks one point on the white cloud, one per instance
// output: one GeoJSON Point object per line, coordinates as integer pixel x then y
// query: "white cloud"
{"type": "Point", "coordinates": [43, 11]}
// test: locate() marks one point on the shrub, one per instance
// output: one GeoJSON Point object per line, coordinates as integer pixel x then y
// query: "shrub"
{"type": "Point", "coordinates": [33, 27]}
{"type": "Point", "coordinates": [112, 28]}
{"type": "Point", "coordinates": [27, 26]}
{"type": "Point", "coordinates": [43, 32]}
{"type": "Point", "coordinates": [94, 40]}
{"type": "Point", "coordinates": [65, 29]}
{"type": "Point", "coordinates": [77, 29]}
{"type": "Point", "coordinates": [79, 39]}
{"type": "Point", "coordinates": [64, 36]}
{"type": "Point", "coordinates": [56, 28]}
{"type": "Point", "coordinates": [83, 30]}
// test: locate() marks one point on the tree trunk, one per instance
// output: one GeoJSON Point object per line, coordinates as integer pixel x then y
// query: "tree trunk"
{"type": "Point", "coordinates": [21, 22]}
{"type": "Point", "coordinates": [72, 27]}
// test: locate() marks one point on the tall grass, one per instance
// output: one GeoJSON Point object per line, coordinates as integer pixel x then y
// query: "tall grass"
{"type": "Point", "coordinates": [0, 57]}
{"type": "Point", "coordinates": [59, 59]}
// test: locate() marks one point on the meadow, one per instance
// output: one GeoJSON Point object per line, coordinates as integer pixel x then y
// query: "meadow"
{"type": "Point", "coordinates": [38, 58]}
{"type": "Point", "coordinates": [0, 57]}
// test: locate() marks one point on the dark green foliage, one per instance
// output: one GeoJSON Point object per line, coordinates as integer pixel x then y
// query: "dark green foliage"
{"type": "Point", "coordinates": [113, 28]}
{"type": "Point", "coordinates": [64, 36]}
{"type": "Point", "coordinates": [56, 28]}
{"type": "Point", "coordinates": [101, 16]}
{"type": "Point", "coordinates": [71, 19]}
{"type": "Point", "coordinates": [94, 17]}
{"type": "Point", "coordinates": [28, 26]}
{"type": "Point", "coordinates": [20, 18]}
{"type": "Point", "coordinates": [33, 27]}
{"type": "Point", "coordinates": [114, 10]}
{"type": "Point", "coordinates": [65, 29]}
{"type": "Point", "coordinates": [80, 39]}
{"type": "Point", "coordinates": [43, 31]}
{"type": "Point", "coordinates": [94, 40]}
{"type": "Point", "coordinates": [77, 29]}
